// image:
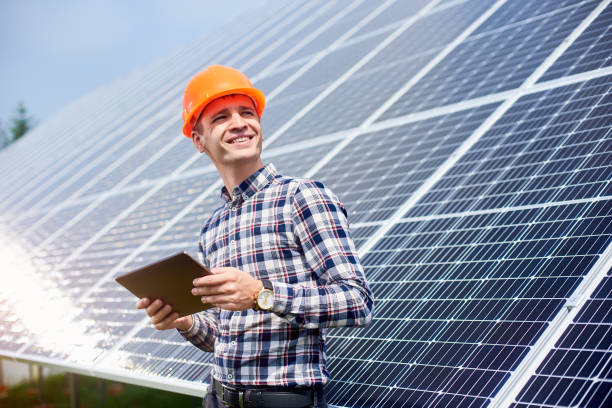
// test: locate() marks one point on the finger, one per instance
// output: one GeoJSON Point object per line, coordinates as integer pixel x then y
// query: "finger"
{"type": "Point", "coordinates": [161, 314]}
{"type": "Point", "coordinates": [142, 303]}
{"type": "Point", "coordinates": [209, 290]}
{"type": "Point", "coordinates": [211, 280]}
{"type": "Point", "coordinates": [154, 307]}
{"type": "Point", "coordinates": [168, 322]}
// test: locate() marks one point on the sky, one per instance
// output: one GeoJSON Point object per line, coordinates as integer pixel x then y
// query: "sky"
{"type": "Point", "coordinates": [56, 51]}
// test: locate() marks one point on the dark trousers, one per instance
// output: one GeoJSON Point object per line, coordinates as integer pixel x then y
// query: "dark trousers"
{"type": "Point", "coordinates": [211, 400]}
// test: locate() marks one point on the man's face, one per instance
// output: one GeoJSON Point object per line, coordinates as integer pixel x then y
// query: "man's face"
{"type": "Point", "coordinates": [228, 130]}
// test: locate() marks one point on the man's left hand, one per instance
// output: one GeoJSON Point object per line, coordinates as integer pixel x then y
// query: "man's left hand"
{"type": "Point", "coordinates": [227, 288]}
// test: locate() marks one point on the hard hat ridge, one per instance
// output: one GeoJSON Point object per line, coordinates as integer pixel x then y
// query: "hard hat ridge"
{"type": "Point", "coordinates": [212, 83]}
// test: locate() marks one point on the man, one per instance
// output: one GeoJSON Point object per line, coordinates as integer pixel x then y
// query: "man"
{"type": "Point", "coordinates": [284, 267]}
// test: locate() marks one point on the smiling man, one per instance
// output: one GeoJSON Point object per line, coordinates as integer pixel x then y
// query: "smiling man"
{"type": "Point", "coordinates": [284, 266]}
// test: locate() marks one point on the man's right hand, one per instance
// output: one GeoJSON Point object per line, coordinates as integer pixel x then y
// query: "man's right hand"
{"type": "Point", "coordinates": [162, 316]}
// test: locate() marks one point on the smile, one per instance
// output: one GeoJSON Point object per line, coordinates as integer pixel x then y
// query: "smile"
{"type": "Point", "coordinates": [240, 140]}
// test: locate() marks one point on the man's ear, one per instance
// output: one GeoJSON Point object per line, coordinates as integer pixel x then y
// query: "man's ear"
{"type": "Point", "coordinates": [198, 141]}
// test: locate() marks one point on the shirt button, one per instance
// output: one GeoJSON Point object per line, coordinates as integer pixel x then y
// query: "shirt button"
{"type": "Point", "coordinates": [232, 343]}
{"type": "Point", "coordinates": [230, 376]}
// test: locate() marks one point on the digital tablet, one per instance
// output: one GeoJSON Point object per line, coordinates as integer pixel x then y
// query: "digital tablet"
{"type": "Point", "coordinates": [170, 280]}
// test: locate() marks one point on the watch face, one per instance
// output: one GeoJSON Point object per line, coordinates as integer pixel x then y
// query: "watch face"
{"type": "Point", "coordinates": [265, 299]}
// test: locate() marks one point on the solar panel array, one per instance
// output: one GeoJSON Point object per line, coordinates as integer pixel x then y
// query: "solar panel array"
{"type": "Point", "coordinates": [469, 140]}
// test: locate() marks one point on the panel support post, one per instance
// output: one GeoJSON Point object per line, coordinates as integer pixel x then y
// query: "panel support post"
{"type": "Point", "coordinates": [101, 391]}
{"type": "Point", "coordinates": [39, 379]}
{"type": "Point", "coordinates": [73, 385]}
{"type": "Point", "coordinates": [3, 388]}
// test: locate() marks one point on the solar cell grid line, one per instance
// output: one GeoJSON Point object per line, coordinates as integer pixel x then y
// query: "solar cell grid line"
{"type": "Point", "coordinates": [333, 46]}
{"type": "Point", "coordinates": [308, 29]}
{"type": "Point", "coordinates": [487, 226]}
{"type": "Point", "coordinates": [576, 372]}
{"type": "Point", "coordinates": [281, 108]}
{"type": "Point", "coordinates": [268, 40]}
{"type": "Point", "coordinates": [529, 387]}
{"type": "Point", "coordinates": [483, 63]}
{"type": "Point", "coordinates": [348, 73]}
{"type": "Point", "coordinates": [148, 133]}
{"type": "Point", "coordinates": [590, 51]}
{"type": "Point", "coordinates": [139, 83]}
{"type": "Point", "coordinates": [338, 41]}
{"type": "Point", "coordinates": [141, 158]}
{"type": "Point", "coordinates": [372, 186]}
{"type": "Point", "coordinates": [495, 116]}
{"type": "Point", "coordinates": [348, 140]}
{"type": "Point", "coordinates": [131, 231]}
{"type": "Point", "coordinates": [551, 146]}
{"type": "Point", "coordinates": [372, 83]}
{"type": "Point", "coordinates": [321, 41]}
{"type": "Point", "coordinates": [62, 216]}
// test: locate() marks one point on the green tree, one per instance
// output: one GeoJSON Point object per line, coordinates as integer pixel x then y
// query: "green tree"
{"type": "Point", "coordinates": [5, 140]}
{"type": "Point", "coordinates": [21, 122]}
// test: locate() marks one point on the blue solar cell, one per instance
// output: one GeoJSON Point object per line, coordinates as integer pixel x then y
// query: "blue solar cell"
{"type": "Point", "coordinates": [590, 51]}
{"type": "Point", "coordinates": [464, 299]}
{"type": "Point", "coordinates": [353, 101]}
{"type": "Point", "coordinates": [339, 28]}
{"type": "Point", "coordinates": [550, 146]}
{"type": "Point", "coordinates": [578, 370]}
{"type": "Point", "coordinates": [154, 213]}
{"type": "Point", "coordinates": [332, 66]}
{"type": "Point", "coordinates": [394, 162]}
{"type": "Point", "coordinates": [394, 15]}
{"type": "Point", "coordinates": [492, 61]}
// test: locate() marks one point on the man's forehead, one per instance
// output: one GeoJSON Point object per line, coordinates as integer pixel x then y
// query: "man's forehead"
{"type": "Point", "coordinates": [226, 101]}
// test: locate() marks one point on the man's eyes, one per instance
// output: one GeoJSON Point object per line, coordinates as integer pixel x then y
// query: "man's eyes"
{"type": "Point", "coordinates": [247, 113]}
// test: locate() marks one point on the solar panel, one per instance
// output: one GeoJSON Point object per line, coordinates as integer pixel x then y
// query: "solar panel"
{"type": "Point", "coordinates": [470, 143]}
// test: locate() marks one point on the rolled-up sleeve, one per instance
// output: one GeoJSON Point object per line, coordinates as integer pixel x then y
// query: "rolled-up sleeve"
{"type": "Point", "coordinates": [340, 295]}
{"type": "Point", "coordinates": [203, 331]}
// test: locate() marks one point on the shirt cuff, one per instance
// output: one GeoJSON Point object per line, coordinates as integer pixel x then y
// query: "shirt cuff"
{"type": "Point", "coordinates": [284, 296]}
{"type": "Point", "coordinates": [193, 330]}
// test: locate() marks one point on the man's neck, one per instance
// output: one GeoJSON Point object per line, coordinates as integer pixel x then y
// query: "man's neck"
{"type": "Point", "coordinates": [235, 174]}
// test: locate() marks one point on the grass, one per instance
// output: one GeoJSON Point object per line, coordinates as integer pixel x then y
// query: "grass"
{"type": "Point", "coordinates": [115, 395]}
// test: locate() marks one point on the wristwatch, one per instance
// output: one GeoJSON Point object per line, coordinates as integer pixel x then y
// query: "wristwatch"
{"type": "Point", "coordinates": [265, 298]}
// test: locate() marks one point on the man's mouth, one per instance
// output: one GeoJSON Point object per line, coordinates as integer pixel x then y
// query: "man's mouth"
{"type": "Point", "coordinates": [240, 139]}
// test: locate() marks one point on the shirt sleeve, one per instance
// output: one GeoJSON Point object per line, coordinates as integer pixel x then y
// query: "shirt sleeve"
{"type": "Point", "coordinates": [203, 331]}
{"type": "Point", "coordinates": [339, 295]}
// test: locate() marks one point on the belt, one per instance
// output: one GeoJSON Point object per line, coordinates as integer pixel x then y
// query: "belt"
{"type": "Point", "coordinates": [239, 397]}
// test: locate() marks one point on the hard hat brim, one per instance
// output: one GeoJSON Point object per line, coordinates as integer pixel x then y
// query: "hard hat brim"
{"type": "Point", "coordinates": [255, 94]}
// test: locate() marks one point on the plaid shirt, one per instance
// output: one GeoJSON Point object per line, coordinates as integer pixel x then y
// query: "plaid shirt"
{"type": "Point", "coordinates": [293, 232]}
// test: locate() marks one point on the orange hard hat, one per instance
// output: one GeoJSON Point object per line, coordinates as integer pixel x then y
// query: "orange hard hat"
{"type": "Point", "coordinates": [212, 83]}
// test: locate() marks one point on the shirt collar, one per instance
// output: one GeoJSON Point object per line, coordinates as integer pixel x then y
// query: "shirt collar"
{"type": "Point", "coordinates": [254, 183]}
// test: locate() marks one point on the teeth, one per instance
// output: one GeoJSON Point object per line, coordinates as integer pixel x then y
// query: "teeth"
{"type": "Point", "coordinates": [240, 140]}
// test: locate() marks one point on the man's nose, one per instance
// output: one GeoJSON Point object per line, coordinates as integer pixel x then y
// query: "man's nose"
{"type": "Point", "coordinates": [237, 121]}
